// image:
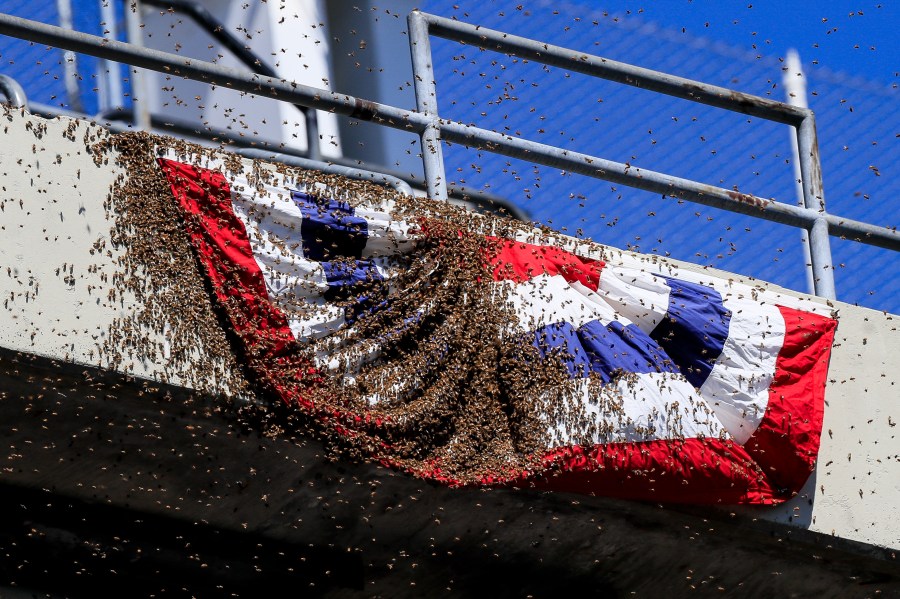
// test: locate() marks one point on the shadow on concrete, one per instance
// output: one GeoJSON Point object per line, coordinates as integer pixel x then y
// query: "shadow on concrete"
{"type": "Point", "coordinates": [113, 486]}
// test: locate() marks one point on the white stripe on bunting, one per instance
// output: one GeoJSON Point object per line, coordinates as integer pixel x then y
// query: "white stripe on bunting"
{"type": "Point", "coordinates": [295, 284]}
{"type": "Point", "coordinates": [738, 386]}
{"type": "Point", "coordinates": [637, 407]}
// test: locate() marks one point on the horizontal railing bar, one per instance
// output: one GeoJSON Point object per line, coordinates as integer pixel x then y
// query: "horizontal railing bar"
{"type": "Point", "coordinates": [112, 120]}
{"type": "Point", "coordinates": [854, 230]}
{"type": "Point", "coordinates": [359, 174]}
{"type": "Point", "coordinates": [452, 131]}
{"type": "Point", "coordinates": [653, 181]}
{"type": "Point", "coordinates": [612, 70]}
{"type": "Point", "coordinates": [214, 74]}
{"type": "Point", "coordinates": [626, 174]}
{"type": "Point", "coordinates": [700, 193]}
{"type": "Point", "coordinates": [204, 19]}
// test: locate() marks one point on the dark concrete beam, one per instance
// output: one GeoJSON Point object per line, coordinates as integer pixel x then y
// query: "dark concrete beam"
{"type": "Point", "coordinates": [112, 483]}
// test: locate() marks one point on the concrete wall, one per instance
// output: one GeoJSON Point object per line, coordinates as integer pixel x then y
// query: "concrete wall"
{"type": "Point", "coordinates": [51, 215]}
{"type": "Point", "coordinates": [855, 491]}
{"type": "Point", "coordinates": [59, 268]}
{"type": "Point", "coordinates": [54, 289]}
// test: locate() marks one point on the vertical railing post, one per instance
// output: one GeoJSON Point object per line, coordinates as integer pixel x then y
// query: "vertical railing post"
{"type": "Point", "coordinates": [426, 103]}
{"type": "Point", "coordinates": [313, 149]}
{"type": "Point", "coordinates": [794, 83]}
{"type": "Point", "coordinates": [814, 199]}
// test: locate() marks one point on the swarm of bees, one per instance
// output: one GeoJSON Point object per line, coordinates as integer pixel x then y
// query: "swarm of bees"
{"type": "Point", "coordinates": [460, 392]}
{"type": "Point", "coordinates": [159, 270]}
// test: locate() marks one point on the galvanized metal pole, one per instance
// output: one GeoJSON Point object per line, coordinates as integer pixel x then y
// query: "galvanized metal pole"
{"type": "Point", "coordinates": [794, 82]}
{"type": "Point", "coordinates": [110, 73]}
{"type": "Point", "coordinates": [175, 65]}
{"type": "Point", "coordinates": [139, 99]}
{"type": "Point", "coordinates": [814, 200]}
{"type": "Point", "coordinates": [620, 72]}
{"type": "Point", "coordinates": [426, 103]}
{"type": "Point", "coordinates": [625, 174]}
{"type": "Point", "coordinates": [313, 148]}
{"type": "Point", "coordinates": [15, 95]}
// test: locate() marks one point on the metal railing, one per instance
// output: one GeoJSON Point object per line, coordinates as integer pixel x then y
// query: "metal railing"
{"type": "Point", "coordinates": [118, 121]}
{"type": "Point", "coordinates": [811, 217]}
{"type": "Point", "coordinates": [432, 129]}
{"type": "Point", "coordinates": [13, 92]}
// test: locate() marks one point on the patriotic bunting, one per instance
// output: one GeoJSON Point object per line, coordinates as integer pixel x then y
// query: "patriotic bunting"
{"type": "Point", "coordinates": [623, 378]}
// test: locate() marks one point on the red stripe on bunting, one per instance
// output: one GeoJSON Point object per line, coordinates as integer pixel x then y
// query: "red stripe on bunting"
{"type": "Point", "coordinates": [224, 250]}
{"type": "Point", "coordinates": [517, 261]}
{"type": "Point", "coordinates": [786, 444]}
{"type": "Point", "coordinates": [775, 462]}
{"type": "Point", "coordinates": [684, 471]}
{"type": "Point", "coordinates": [692, 470]}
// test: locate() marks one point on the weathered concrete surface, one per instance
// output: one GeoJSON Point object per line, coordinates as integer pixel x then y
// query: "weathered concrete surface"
{"type": "Point", "coordinates": [54, 291]}
{"type": "Point", "coordinates": [51, 214]}
{"type": "Point", "coordinates": [58, 297]}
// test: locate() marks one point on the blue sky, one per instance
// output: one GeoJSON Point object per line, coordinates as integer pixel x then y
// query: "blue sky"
{"type": "Point", "coordinates": [853, 37]}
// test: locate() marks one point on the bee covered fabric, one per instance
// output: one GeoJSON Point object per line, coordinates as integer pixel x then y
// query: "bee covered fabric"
{"type": "Point", "coordinates": [462, 349]}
